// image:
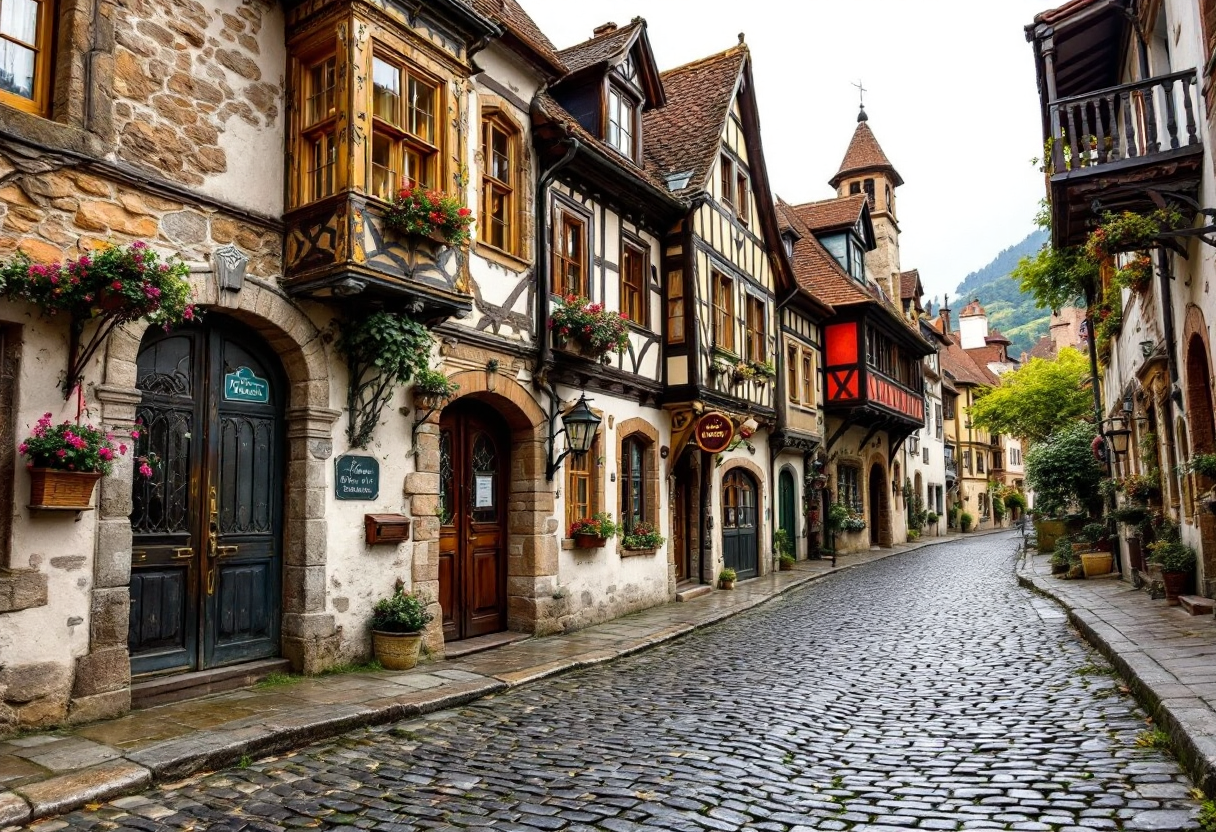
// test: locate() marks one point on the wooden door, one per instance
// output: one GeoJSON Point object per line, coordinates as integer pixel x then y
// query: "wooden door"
{"type": "Point", "coordinates": [206, 555]}
{"type": "Point", "coordinates": [877, 494]}
{"type": "Point", "coordinates": [740, 543]}
{"type": "Point", "coordinates": [679, 530]}
{"type": "Point", "coordinates": [786, 500]}
{"type": "Point", "coordinates": [474, 466]}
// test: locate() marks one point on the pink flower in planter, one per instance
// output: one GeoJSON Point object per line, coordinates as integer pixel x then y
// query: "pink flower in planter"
{"type": "Point", "coordinates": [145, 469]}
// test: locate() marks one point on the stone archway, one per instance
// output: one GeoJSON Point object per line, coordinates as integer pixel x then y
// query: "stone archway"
{"type": "Point", "coordinates": [309, 636]}
{"type": "Point", "coordinates": [879, 505]}
{"type": "Point", "coordinates": [532, 544]}
{"type": "Point", "coordinates": [1197, 370]}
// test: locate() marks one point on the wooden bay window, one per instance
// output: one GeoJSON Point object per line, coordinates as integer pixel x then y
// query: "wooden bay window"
{"type": "Point", "coordinates": [319, 139]}
{"type": "Point", "coordinates": [404, 136]}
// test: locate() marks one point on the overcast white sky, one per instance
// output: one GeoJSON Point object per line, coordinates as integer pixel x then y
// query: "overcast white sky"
{"type": "Point", "coordinates": [951, 98]}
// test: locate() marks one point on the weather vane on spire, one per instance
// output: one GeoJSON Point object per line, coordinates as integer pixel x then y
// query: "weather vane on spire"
{"type": "Point", "coordinates": [862, 93]}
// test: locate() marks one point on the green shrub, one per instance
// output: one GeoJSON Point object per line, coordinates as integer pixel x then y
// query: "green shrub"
{"type": "Point", "coordinates": [966, 521]}
{"type": "Point", "coordinates": [401, 613]}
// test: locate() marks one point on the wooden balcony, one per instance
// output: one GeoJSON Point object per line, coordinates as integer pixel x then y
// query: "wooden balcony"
{"type": "Point", "coordinates": [1116, 148]}
{"type": "Point", "coordinates": [339, 249]}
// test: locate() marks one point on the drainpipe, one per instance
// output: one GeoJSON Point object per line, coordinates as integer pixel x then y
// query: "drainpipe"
{"type": "Point", "coordinates": [541, 259]}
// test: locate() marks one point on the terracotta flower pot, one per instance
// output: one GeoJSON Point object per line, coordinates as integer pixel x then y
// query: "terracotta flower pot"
{"type": "Point", "coordinates": [1175, 585]}
{"type": "Point", "coordinates": [726, 584]}
{"type": "Point", "coordinates": [427, 401]}
{"type": "Point", "coordinates": [1096, 563]}
{"type": "Point", "coordinates": [396, 651]}
{"type": "Point", "coordinates": [589, 541]}
{"type": "Point", "coordinates": [52, 488]}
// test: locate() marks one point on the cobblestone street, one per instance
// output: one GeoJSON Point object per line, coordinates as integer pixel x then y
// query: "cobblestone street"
{"type": "Point", "coordinates": [925, 691]}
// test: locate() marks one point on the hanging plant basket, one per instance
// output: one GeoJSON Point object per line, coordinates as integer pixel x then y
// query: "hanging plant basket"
{"type": "Point", "coordinates": [53, 488]}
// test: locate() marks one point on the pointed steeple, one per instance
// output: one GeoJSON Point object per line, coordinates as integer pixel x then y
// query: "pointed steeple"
{"type": "Point", "coordinates": [865, 155]}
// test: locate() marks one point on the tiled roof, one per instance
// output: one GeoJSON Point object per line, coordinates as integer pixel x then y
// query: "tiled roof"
{"type": "Point", "coordinates": [684, 136]}
{"type": "Point", "coordinates": [600, 47]}
{"type": "Point", "coordinates": [511, 15]}
{"type": "Point", "coordinates": [962, 366]}
{"type": "Point", "coordinates": [983, 356]}
{"type": "Point", "coordinates": [816, 271]}
{"type": "Point", "coordinates": [864, 155]}
{"type": "Point", "coordinates": [995, 336]}
{"type": "Point", "coordinates": [909, 285]}
{"type": "Point", "coordinates": [1045, 347]}
{"type": "Point", "coordinates": [1061, 12]}
{"type": "Point", "coordinates": [548, 109]}
{"type": "Point", "coordinates": [828, 214]}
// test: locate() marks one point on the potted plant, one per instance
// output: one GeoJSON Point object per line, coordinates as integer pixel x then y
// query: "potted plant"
{"type": "Point", "coordinates": [67, 460]}
{"type": "Point", "coordinates": [838, 515]}
{"type": "Point", "coordinates": [1129, 231]}
{"type": "Point", "coordinates": [727, 578]}
{"type": "Point", "coordinates": [787, 562]}
{"type": "Point", "coordinates": [425, 212]}
{"type": "Point", "coordinates": [783, 548]}
{"type": "Point", "coordinates": [1176, 561]}
{"type": "Point", "coordinates": [932, 518]}
{"type": "Point", "coordinates": [397, 624]}
{"type": "Point", "coordinates": [643, 536]}
{"type": "Point", "coordinates": [1142, 487]}
{"type": "Point", "coordinates": [1136, 275]}
{"type": "Point", "coordinates": [1062, 556]}
{"type": "Point", "coordinates": [588, 329]}
{"type": "Point", "coordinates": [744, 371]}
{"type": "Point", "coordinates": [966, 521]}
{"type": "Point", "coordinates": [432, 388]}
{"type": "Point", "coordinates": [593, 532]}
{"type": "Point", "coordinates": [762, 372]}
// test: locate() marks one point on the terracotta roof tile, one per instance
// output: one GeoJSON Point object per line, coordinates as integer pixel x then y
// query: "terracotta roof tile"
{"type": "Point", "coordinates": [829, 214]}
{"type": "Point", "coordinates": [864, 155]}
{"type": "Point", "coordinates": [511, 15]}
{"type": "Point", "coordinates": [816, 270]}
{"type": "Point", "coordinates": [600, 48]}
{"type": "Point", "coordinates": [1043, 348]}
{"type": "Point", "coordinates": [684, 136]}
{"type": "Point", "coordinates": [909, 285]}
{"type": "Point", "coordinates": [1061, 12]}
{"type": "Point", "coordinates": [962, 366]}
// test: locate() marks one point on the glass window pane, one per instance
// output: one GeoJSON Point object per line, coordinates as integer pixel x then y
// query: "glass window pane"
{"type": "Point", "coordinates": [16, 69]}
{"type": "Point", "coordinates": [500, 156]}
{"type": "Point", "coordinates": [386, 91]}
{"type": "Point", "coordinates": [421, 110]}
{"type": "Point", "coordinates": [384, 172]}
{"type": "Point", "coordinates": [19, 20]}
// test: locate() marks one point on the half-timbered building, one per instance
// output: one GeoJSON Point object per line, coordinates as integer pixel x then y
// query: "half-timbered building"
{"type": "Point", "coordinates": [723, 265]}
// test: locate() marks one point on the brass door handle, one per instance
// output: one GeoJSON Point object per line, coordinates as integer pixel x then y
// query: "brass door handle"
{"type": "Point", "coordinates": [213, 528]}
{"type": "Point", "coordinates": [139, 555]}
{"type": "Point", "coordinates": [183, 553]}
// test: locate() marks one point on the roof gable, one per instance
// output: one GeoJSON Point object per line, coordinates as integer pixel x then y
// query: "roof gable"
{"type": "Point", "coordinates": [522, 34]}
{"type": "Point", "coordinates": [839, 214]}
{"type": "Point", "coordinates": [609, 47]}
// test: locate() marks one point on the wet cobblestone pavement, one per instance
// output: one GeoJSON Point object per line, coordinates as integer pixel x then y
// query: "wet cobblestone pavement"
{"type": "Point", "coordinates": [925, 691]}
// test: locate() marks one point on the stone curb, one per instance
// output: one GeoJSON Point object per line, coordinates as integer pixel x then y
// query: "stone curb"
{"type": "Point", "coordinates": [1190, 723]}
{"type": "Point", "coordinates": [182, 757]}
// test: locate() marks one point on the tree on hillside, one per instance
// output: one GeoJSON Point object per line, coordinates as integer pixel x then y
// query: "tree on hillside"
{"type": "Point", "coordinates": [1038, 399]}
{"type": "Point", "coordinates": [1063, 473]}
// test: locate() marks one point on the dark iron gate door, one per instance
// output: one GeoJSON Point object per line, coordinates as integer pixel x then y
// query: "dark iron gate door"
{"type": "Point", "coordinates": [740, 544]}
{"type": "Point", "coordinates": [474, 465]}
{"type": "Point", "coordinates": [206, 560]}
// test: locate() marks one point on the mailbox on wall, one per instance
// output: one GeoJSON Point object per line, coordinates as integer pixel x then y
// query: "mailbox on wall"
{"type": "Point", "coordinates": [386, 528]}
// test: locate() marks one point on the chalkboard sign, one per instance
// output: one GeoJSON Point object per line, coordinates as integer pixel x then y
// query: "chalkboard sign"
{"type": "Point", "coordinates": [357, 477]}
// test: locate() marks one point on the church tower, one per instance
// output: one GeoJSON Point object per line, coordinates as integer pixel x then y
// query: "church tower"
{"type": "Point", "coordinates": [867, 170]}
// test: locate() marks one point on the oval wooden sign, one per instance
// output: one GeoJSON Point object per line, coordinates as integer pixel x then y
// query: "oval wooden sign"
{"type": "Point", "coordinates": [714, 433]}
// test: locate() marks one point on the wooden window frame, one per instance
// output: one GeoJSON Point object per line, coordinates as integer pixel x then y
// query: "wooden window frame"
{"type": "Point", "coordinates": [809, 373]}
{"type": "Point", "coordinates": [849, 486]}
{"type": "Point", "coordinates": [320, 132]}
{"type": "Point", "coordinates": [628, 102]}
{"type": "Point", "coordinates": [43, 46]}
{"type": "Point", "coordinates": [727, 172]}
{"type": "Point", "coordinates": [491, 185]}
{"type": "Point", "coordinates": [676, 306]}
{"type": "Point", "coordinates": [635, 294]}
{"type": "Point", "coordinates": [647, 477]}
{"type": "Point", "coordinates": [584, 467]}
{"type": "Point", "coordinates": [742, 199]}
{"type": "Point", "coordinates": [793, 361]}
{"type": "Point", "coordinates": [755, 321]}
{"type": "Point", "coordinates": [404, 140]}
{"type": "Point", "coordinates": [562, 218]}
{"type": "Point", "coordinates": [723, 315]}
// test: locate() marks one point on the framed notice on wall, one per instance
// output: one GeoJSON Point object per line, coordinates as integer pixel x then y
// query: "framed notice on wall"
{"type": "Point", "coordinates": [483, 491]}
{"type": "Point", "coordinates": [356, 478]}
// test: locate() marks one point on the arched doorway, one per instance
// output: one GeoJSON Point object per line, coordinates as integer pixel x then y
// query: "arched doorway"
{"type": "Point", "coordinates": [1203, 441]}
{"type": "Point", "coordinates": [787, 511]}
{"type": "Point", "coordinates": [206, 561]}
{"type": "Point", "coordinates": [474, 479]}
{"type": "Point", "coordinates": [740, 544]}
{"type": "Point", "coordinates": [877, 495]}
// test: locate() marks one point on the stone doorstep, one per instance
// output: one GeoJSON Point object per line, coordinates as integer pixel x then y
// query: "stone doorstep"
{"type": "Point", "coordinates": [1197, 604]}
{"type": "Point", "coordinates": [276, 733]}
{"type": "Point", "coordinates": [694, 592]}
{"type": "Point", "coordinates": [164, 690]}
{"type": "Point", "coordinates": [460, 649]}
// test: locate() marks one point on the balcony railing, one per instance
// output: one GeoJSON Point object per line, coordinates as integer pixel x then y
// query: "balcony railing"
{"type": "Point", "coordinates": [1130, 121]}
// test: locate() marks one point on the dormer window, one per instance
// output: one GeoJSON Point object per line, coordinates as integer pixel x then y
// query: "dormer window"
{"type": "Point", "coordinates": [628, 68]}
{"type": "Point", "coordinates": [622, 121]}
{"type": "Point", "coordinates": [787, 241]}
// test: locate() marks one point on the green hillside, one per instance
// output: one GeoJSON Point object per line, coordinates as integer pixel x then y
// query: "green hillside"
{"type": "Point", "coordinates": [1013, 313]}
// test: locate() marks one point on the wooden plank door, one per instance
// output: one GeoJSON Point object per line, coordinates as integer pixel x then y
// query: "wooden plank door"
{"type": "Point", "coordinates": [474, 467]}
{"type": "Point", "coordinates": [679, 531]}
{"type": "Point", "coordinates": [786, 499]}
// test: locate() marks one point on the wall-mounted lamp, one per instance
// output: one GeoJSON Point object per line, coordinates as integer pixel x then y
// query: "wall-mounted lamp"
{"type": "Point", "coordinates": [1117, 433]}
{"type": "Point", "coordinates": [580, 426]}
